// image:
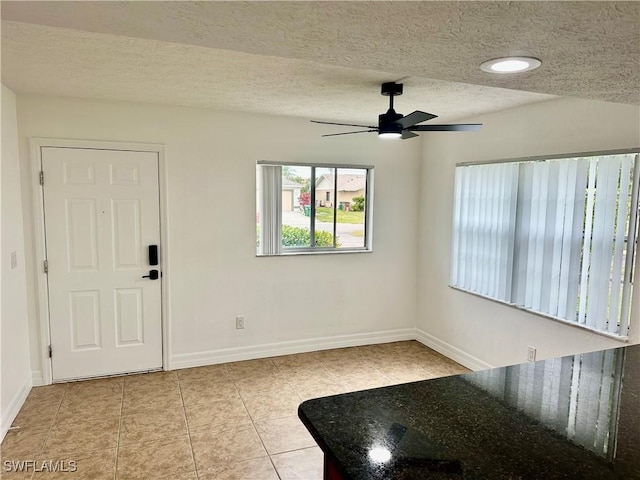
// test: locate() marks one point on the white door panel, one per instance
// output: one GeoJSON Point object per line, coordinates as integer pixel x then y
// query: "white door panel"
{"type": "Point", "coordinates": [101, 214]}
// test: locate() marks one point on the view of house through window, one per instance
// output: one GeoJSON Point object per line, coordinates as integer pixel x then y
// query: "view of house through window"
{"type": "Point", "coordinates": [311, 207]}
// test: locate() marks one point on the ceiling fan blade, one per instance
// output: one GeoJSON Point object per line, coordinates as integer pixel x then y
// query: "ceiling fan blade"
{"type": "Point", "coordinates": [415, 117]}
{"type": "Point", "coordinates": [460, 127]}
{"type": "Point", "coordinates": [343, 124]}
{"type": "Point", "coordinates": [348, 133]}
{"type": "Point", "coordinates": [407, 134]}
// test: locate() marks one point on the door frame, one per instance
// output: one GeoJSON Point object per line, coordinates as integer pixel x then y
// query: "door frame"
{"type": "Point", "coordinates": [42, 292]}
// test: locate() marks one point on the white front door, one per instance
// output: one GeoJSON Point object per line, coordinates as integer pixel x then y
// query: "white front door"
{"type": "Point", "coordinates": [101, 215]}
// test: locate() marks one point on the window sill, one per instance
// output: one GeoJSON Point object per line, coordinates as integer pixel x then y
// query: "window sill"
{"type": "Point", "coordinates": [295, 252]}
{"type": "Point", "coordinates": [612, 336]}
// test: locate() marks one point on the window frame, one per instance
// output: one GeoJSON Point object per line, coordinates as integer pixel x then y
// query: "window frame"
{"type": "Point", "coordinates": [630, 259]}
{"type": "Point", "coordinates": [368, 214]}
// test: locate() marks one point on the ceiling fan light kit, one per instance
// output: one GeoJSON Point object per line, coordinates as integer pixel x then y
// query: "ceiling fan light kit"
{"type": "Point", "coordinates": [389, 129]}
{"type": "Point", "coordinates": [395, 125]}
{"type": "Point", "coordinates": [507, 65]}
{"type": "Point", "coordinates": [390, 134]}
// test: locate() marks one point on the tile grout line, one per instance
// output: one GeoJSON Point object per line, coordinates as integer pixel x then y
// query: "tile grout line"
{"type": "Point", "coordinates": [332, 377]}
{"type": "Point", "coordinates": [44, 444]}
{"type": "Point", "coordinates": [229, 375]}
{"type": "Point", "coordinates": [46, 440]}
{"type": "Point", "coordinates": [253, 424]}
{"type": "Point", "coordinates": [261, 441]}
{"type": "Point", "coordinates": [115, 470]}
{"type": "Point", "coordinates": [186, 422]}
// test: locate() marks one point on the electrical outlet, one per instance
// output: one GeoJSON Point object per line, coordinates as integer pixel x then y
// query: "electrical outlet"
{"type": "Point", "coordinates": [531, 354]}
{"type": "Point", "coordinates": [239, 322]}
{"type": "Point", "coordinates": [14, 260]}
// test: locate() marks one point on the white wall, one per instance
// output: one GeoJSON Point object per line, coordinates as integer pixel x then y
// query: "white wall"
{"type": "Point", "coordinates": [215, 274]}
{"type": "Point", "coordinates": [293, 303]}
{"type": "Point", "coordinates": [478, 331]}
{"type": "Point", "coordinates": [15, 370]}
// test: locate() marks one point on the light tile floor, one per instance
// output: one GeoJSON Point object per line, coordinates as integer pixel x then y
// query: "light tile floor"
{"type": "Point", "coordinates": [221, 422]}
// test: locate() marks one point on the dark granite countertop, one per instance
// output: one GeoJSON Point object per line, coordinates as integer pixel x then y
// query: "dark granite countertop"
{"type": "Point", "coordinates": [575, 417]}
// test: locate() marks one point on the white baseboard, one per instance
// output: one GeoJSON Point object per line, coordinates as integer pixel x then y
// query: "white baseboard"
{"type": "Point", "coordinates": [235, 354]}
{"type": "Point", "coordinates": [454, 353]}
{"type": "Point", "coordinates": [37, 379]}
{"type": "Point", "coordinates": [10, 414]}
{"type": "Point", "coordinates": [211, 357]}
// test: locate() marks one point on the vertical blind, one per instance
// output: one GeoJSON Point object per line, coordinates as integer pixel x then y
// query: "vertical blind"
{"type": "Point", "coordinates": [485, 211]}
{"type": "Point", "coordinates": [270, 209]}
{"type": "Point", "coordinates": [555, 237]}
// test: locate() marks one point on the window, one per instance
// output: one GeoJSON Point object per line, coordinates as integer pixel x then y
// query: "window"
{"type": "Point", "coordinates": [313, 208]}
{"type": "Point", "coordinates": [553, 236]}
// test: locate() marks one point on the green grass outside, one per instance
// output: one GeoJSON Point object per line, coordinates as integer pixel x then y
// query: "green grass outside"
{"type": "Point", "coordinates": [325, 214]}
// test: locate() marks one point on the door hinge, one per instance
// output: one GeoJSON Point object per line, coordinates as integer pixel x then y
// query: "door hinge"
{"type": "Point", "coordinates": [50, 351]}
{"type": "Point", "coordinates": [41, 178]}
{"type": "Point", "coordinates": [46, 266]}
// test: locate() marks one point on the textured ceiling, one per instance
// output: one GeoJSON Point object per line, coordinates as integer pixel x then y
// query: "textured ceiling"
{"type": "Point", "coordinates": [322, 59]}
{"type": "Point", "coordinates": [82, 64]}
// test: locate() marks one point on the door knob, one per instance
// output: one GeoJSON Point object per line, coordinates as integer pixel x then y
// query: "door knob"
{"type": "Point", "coordinates": [153, 275]}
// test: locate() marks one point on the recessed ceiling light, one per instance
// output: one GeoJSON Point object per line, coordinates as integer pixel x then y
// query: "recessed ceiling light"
{"type": "Point", "coordinates": [510, 65]}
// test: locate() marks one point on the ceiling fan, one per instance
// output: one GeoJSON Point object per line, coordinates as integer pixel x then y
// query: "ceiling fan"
{"type": "Point", "coordinates": [395, 125]}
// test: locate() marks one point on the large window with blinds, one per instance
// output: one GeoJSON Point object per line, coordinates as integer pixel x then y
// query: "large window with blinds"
{"type": "Point", "coordinates": [553, 236]}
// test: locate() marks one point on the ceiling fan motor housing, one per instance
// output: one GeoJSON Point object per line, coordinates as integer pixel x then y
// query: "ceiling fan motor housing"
{"type": "Point", "coordinates": [387, 122]}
